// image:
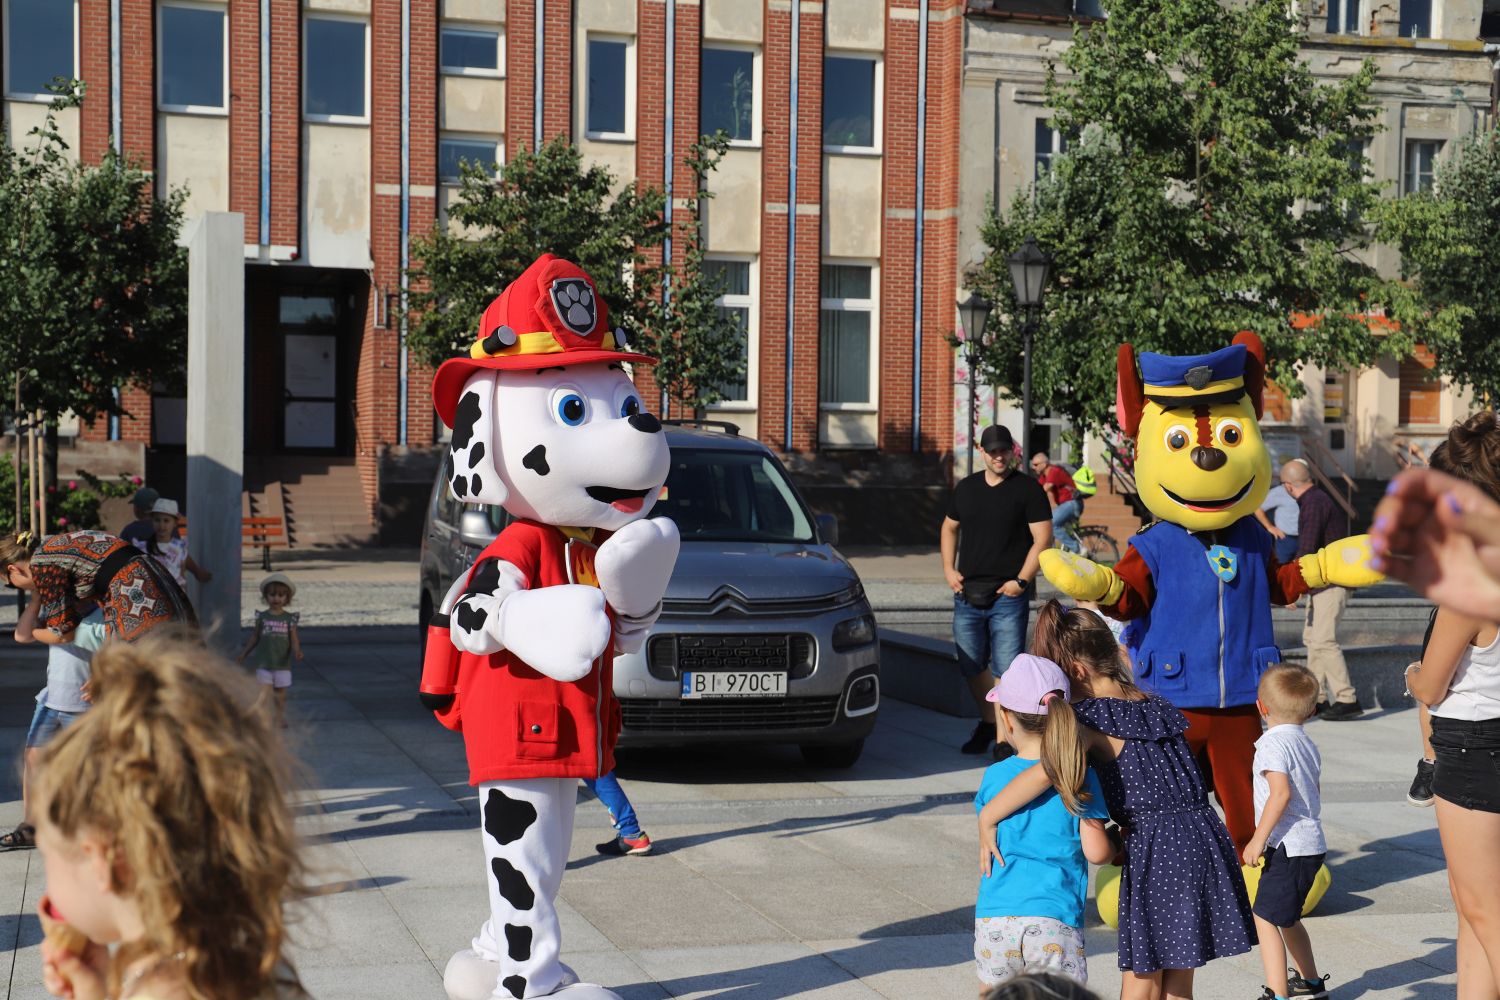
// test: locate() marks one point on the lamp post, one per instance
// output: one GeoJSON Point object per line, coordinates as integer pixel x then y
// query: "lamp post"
{"type": "Point", "coordinates": [1028, 272]}
{"type": "Point", "coordinates": [974, 314]}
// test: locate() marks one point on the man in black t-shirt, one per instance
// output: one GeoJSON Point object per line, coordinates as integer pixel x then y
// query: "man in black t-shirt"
{"type": "Point", "coordinates": [992, 565]}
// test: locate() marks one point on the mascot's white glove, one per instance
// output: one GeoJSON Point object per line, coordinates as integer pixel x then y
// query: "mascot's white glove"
{"type": "Point", "coordinates": [633, 566]}
{"type": "Point", "coordinates": [558, 631]}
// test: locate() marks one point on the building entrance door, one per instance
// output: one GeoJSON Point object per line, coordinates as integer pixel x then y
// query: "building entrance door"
{"type": "Point", "coordinates": [310, 325]}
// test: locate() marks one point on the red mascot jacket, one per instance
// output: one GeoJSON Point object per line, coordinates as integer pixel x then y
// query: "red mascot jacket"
{"type": "Point", "coordinates": [517, 722]}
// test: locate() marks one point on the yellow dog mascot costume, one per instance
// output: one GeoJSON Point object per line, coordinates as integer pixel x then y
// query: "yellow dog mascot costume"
{"type": "Point", "coordinates": [1198, 583]}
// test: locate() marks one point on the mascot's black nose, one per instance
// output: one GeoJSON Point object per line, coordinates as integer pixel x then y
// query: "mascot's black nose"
{"type": "Point", "coordinates": [1207, 459]}
{"type": "Point", "coordinates": [644, 422]}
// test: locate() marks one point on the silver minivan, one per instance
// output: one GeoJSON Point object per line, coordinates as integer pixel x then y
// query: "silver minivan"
{"type": "Point", "coordinates": [765, 634]}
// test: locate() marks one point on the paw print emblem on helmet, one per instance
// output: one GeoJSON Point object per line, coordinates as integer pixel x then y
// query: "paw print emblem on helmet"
{"type": "Point", "coordinates": [574, 300]}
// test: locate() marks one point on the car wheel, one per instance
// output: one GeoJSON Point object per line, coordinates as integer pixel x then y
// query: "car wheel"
{"type": "Point", "coordinates": [838, 755]}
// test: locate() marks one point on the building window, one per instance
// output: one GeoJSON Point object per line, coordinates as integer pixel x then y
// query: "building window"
{"type": "Point", "coordinates": [1416, 18]}
{"type": "Point", "coordinates": [611, 88]}
{"type": "Point", "coordinates": [335, 78]}
{"type": "Point", "coordinates": [1421, 158]}
{"type": "Point", "coordinates": [736, 301]}
{"type": "Point", "coordinates": [1050, 143]}
{"type": "Point", "coordinates": [729, 95]}
{"type": "Point", "coordinates": [851, 103]}
{"type": "Point", "coordinates": [41, 42]}
{"type": "Point", "coordinates": [471, 51]}
{"type": "Point", "coordinates": [1343, 17]}
{"type": "Point", "coordinates": [190, 62]}
{"type": "Point", "coordinates": [846, 371]}
{"type": "Point", "coordinates": [1088, 8]}
{"type": "Point", "coordinates": [1418, 396]}
{"type": "Point", "coordinates": [453, 150]}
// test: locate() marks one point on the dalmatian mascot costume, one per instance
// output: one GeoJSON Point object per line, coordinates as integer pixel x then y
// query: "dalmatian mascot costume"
{"type": "Point", "coordinates": [546, 424]}
{"type": "Point", "coordinates": [1198, 582]}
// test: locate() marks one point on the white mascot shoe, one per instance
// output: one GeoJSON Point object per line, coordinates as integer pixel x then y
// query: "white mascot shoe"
{"type": "Point", "coordinates": [470, 977]}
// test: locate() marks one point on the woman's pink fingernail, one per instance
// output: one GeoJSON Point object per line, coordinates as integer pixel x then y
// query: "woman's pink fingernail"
{"type": "Point", "coordinates": [1453, 504]}
{"type": "Point", "coordinates": [1390, 487]}
{"type": "Point", "coordinates": [1377, 564]}
{"type": "Point", "coordinates": [1382, 524]}
{"type": "Point", "coordinates": [1378, 545]}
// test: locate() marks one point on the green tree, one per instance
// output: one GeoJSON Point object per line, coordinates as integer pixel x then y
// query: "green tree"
{"type": "Point", "coordinates": [1447, 238]}
{"type": "Point", "coordinates": [1212, 185]}
{"type": "Point", "coordinates": [93, 286]}
{"type": "Point", "coordinates": [547, 201]}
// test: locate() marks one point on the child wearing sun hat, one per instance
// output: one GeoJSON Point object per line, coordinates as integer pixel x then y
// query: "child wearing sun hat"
{"type": "Point", "coordinates": [274, 640]}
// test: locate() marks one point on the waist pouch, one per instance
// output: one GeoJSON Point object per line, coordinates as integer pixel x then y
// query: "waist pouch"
{"type": "Point", "coordinates": [981, 595]}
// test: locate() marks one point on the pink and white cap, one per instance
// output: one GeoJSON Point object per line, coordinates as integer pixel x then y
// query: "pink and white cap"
{"type": "Point", "coordinates": [1028, 684]}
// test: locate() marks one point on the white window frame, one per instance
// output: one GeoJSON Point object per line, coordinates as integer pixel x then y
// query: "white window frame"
{"type": "Point", "coordinates": [321, 119]}
{"type": "Point", "coordinates": [1360, 16]}
{"type": "Point", "coordinates": [1432, 18]}
{"type": "Point", "coordinates": [22, 95]}
{"type": "Point", "coordinates": [193, 109]}
{"type": "Point", "coordinates": [754, 141]}
{"type": "Point", "coordinates": [1058, 146]}
{"type": "Point", "coordinates": [1408, 149]}
{"type": "Point", "coordinates": [497, 139]}
{"type": "Point", "coordinates": [870, 305]}
{"type": "Point", "coordinates": [474, 28]}
{"type": "Point", "coordinates": [750, 302]}
{"type": "Point", "coordinates": [630, 71]}
{"type": "Point", "coordinates": [878, 121]}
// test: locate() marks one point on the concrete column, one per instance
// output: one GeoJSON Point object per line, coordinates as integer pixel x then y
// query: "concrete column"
{"type": "Point", "coordinates": [215, 418]}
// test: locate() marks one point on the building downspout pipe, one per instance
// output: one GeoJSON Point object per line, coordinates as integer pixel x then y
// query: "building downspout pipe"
{"type": "Point", "coordinates": [117, 142]}
{"type": "Point", "coordinates": [791, 227]}
{"type": "Point", "coordinates": [538, 69]}
{"type": "Point", "coordinates": [669, 152]}
{"type": "Point", "coordinates": [263, 236]}
{"type": "Point", "coordinates": [403, 365]}
{"type": "Point", "coordinates": [921, 198]}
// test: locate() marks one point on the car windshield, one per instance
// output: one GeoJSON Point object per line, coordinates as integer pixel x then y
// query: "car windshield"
{"type": "Point", "coordinates": [732, 496]}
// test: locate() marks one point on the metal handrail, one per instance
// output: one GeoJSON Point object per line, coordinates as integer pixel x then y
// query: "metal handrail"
{"type": "Point", "coordinates": [1315, 453]}
{"type": "Point", "coordinates": [1119, 458]}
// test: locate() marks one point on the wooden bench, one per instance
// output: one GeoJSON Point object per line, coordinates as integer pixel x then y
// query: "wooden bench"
{"type": "Point", "coordinates": [264, 533]}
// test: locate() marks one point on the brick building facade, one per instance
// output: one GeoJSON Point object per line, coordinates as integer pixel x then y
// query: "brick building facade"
{"type": "Point", "coordinates": [333, 126]}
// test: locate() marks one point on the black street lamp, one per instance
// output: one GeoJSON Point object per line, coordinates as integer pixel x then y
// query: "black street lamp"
{"type": "Point", "coordinates": [1028, 272]}
{"type": "Point", "coordinates": [974, 314]}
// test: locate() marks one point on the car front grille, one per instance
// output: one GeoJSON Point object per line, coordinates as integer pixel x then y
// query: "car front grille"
{"type": "Point", "coordinates": [725, 714]}
{"type": "Point", "coordinates": [668, 656]}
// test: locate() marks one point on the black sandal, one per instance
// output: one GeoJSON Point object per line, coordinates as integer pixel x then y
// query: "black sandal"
{"type": "Point", "coordinates": [22, 838]}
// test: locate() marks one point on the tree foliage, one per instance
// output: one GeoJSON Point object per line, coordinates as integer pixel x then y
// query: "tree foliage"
{"type": "Point", "coordinates": [1212, 186]}
{"type": "Point", "coordinates": [93, 286]}
{"type": "Point", "coordinates": [1448, 238]}
{"type": "Point", "coordinates": [548, 201]}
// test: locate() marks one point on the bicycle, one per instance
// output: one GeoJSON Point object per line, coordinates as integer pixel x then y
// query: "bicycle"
{"type": "Point", "coordinates": [1096, 541]}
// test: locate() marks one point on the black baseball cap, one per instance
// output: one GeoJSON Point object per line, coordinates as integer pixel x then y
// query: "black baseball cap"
{"type": "Point", "coordinates": [996, 437]}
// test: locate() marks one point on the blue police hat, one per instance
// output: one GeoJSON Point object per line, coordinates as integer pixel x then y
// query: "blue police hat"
{"type": "Point", "coordinates": [1199, 379]}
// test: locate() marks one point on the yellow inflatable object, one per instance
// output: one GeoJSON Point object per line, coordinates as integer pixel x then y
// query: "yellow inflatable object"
{"type": "Point", "coordinates": [1080, 578]}
{"type": "Point", "coordinates": [1107, 894]}
{"type": "Point", "coordinates": [1344, 563]}
{"type": "Point", "coordinates": [1107, 890]}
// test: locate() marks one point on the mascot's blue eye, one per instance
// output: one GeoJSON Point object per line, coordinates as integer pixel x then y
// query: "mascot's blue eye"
{"type": "Point", "coordinates": [571, 409]}
{"type": "Point", "coordinates": [630, 407]}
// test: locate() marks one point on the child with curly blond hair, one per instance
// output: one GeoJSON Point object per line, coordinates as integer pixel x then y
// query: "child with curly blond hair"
{"type": "Point", "coordinates": [165, 830]}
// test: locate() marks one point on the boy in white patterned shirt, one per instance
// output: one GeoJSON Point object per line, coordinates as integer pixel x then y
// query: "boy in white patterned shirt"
{"type": "Point", "coordinates": [1288, 838]}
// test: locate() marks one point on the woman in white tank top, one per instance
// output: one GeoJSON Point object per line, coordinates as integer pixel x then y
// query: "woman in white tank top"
{"type": "Point", "coordinates": [1458, 679]}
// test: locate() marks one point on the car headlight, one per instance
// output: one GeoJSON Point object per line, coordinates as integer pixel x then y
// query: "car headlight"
{"type": "Point", "coordinates": [854, 632]}
{"type": "Point", "coordinates": [851, 594]}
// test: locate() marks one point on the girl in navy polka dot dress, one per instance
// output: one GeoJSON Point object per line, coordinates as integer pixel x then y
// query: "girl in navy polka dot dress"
{"type": "Point", "coordinates": [1182, 897]}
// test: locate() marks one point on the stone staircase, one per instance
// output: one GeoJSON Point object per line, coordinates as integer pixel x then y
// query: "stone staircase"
{"type": "Point", "coordinates": [321, 500]}
{"type": "Point", "coordinates": [1115, 511]}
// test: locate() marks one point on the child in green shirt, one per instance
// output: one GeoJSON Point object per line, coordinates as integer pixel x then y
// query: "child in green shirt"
{"type": "Point", "coordinates": [274, 640]}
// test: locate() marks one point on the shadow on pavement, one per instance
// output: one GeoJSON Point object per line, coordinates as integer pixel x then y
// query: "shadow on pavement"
{"type": "Point", "coordinates": [1412, 973]}
{"type": "Point", "coordinates": [1420, 853]}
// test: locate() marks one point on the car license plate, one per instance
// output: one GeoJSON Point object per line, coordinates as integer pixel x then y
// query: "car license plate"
{"type": "Point", "coordinates": [734, 684]}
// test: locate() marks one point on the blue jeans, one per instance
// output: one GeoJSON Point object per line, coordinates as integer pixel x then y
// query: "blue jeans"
{"type": "Point", "coordinates": [1285, 549]}
{"type": "Point", "coordinates": [992, 637]}
{"type": "Point", "coordinates": [1063, 516]}
{"type": "Point", "coordinates": [47, 723]}
{"type": "Point", "coordinates": [607, 788]}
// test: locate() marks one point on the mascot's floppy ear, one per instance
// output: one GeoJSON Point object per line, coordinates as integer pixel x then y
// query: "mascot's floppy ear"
{"type": "Point", "coordinates": [1255, 370]}
{"type": "Point", "coordinates": [474, 450]}
{"type": "Point", "coordinates": [1130, 396]}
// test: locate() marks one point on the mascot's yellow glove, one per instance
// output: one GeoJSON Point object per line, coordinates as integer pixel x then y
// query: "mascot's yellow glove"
{"type": "Point", "coordinates": [1344, 563]}
{"type": "Point", "coordinates": [1081, 579]}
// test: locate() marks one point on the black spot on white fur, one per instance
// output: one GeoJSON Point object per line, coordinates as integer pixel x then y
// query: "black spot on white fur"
{"type": "Point", "coordinates": [476, 454]}
{"type": "Point", "coordinates": [507, 819]}
{"type": "Point", "coordinates": [516, 985]}
{"type": "Point", "coordinates": [460, 487]}
{"type": "Point", "coordinates": [470, 618]}
{"type": "Point", "coordinates": [536, 460]}
{"type": "Point", "coordinates": [476, 484]}
{"type": "Point", "coordinates": [486, 577]}
{"type": "Point", "coordinates": [514, 888]}
{"type": "Point", "coordinates": [465, 418]}
{"type": "Point", "coordinates": [518, 942]}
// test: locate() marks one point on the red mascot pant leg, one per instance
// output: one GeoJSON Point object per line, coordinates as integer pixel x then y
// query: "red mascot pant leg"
{"type": "Point", "coordinates": [1223, 740]}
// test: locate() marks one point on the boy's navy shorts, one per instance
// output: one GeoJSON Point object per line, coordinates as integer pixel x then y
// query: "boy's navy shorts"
{"type": "Point", "coordinates": [1285, 882]}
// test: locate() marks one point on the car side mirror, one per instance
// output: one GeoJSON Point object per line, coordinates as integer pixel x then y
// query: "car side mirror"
{"type": "Point", "coordinates": [828, 528]}
{"type": "Point", "coordinates": [474, 528]}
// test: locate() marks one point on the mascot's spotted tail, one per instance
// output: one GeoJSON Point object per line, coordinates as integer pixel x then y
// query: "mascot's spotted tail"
{"type": "Point", "coordinates": [547, 424]}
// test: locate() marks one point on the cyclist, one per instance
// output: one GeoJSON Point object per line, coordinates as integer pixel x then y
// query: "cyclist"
{"type": "Point", "coordinates": [1067, 504]}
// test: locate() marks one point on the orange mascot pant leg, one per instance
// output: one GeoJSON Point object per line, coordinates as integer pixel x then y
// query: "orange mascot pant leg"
{"type": "Point", "coordinates": [1223, 741]}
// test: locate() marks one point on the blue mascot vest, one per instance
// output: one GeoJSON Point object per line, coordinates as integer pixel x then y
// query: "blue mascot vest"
{"type": "Point", "coordinates": [1205, 641]}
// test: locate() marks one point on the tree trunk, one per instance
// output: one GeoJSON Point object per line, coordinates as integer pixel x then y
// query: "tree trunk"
{"type": "Point", "coordinates": [50, 446]}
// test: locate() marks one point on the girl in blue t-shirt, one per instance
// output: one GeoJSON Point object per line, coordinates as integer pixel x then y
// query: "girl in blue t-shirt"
{"type": "Point", "coordinates": [1030, 909]}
